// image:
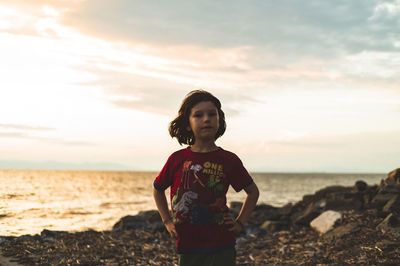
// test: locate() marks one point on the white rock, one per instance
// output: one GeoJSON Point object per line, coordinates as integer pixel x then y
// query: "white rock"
{"type": "Point", "coordinates": [325, 221]}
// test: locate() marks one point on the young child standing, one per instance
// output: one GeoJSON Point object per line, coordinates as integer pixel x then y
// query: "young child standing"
{"type": "Point", "coordinates": [199, 177]}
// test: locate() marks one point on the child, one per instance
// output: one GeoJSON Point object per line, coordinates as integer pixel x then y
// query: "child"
{"type": "Point", "coordinates": [199, 177]}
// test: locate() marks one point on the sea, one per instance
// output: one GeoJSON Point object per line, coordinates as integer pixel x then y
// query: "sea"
{"type": "Point", "coordinates": [34, 200]}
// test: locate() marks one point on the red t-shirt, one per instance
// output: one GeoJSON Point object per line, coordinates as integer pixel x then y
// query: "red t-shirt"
{"type": "Point", "coordinates": [199, 183]}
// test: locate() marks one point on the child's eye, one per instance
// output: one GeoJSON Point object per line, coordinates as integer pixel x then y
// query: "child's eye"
{"type": "Point", "coordinates": [212, 114]}
{"type": "Point", "coordinates": [197, 115]}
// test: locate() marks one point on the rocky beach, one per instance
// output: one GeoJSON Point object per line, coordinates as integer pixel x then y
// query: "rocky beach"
{"type": "Point", "coordinates": [336, 225]}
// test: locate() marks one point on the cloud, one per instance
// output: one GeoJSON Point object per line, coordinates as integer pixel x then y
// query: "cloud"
{"type": "Point", "coordinates": [23, 132]}
{"type": "Point", "coordinates": [25, 127]}
{"type": "Point", "coordinates": [154, 94]}
{"type": "Point", "coordinates": [57, 141]}
{"type": "Point", "coordinates": [295, 27]}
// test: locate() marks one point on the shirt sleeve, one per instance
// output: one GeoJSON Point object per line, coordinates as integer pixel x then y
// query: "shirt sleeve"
{"type": "Point", "coordinates": [164, 178]}
{"type": "Point", "coordinates": [239, 177]}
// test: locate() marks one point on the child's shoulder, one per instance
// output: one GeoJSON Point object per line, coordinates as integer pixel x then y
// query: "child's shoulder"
{"type": "Point", "coordinates": [229, 154]}
{"type": "Point", "coordinates": [178, 153]}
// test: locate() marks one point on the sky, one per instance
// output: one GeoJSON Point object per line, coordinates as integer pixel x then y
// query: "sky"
{"type": "Point", "coordinates": [306, 86]}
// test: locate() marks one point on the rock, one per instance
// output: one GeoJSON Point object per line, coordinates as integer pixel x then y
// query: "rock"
{"type": "Point", "coordinates": [392, 205]}
{"type": "Point", "coordinates": [325, 221]}
{"type": "Point", "coordinates": [286, 210]}
{"type": "Point", "coordinates": [390, 188]}
{"type": "Point", "coordinates": [343, 204]}
{"type": "Point", "coordinates": [274, 226]}
{"type": "Point", "coordinates": [381, 199]}
{"type": "Point", "coordinates": [48, 233]}
{"type": "Point", "coordinates": [331, 191]}
{"type": "Point", "coordinates": [360, 186]}
{"type": "Point", "coordinates": [263, 213]}
{"type": "Point", "coordinates": [341, 231]}
{"type": "Point", "coordinates": [306, 216]}
{"type": "Point", "coordinates": [390, 223]}
{"type": "Point", "coordinates": [143, 220]}
{"type": "Point", "coordinates": [394, 176]}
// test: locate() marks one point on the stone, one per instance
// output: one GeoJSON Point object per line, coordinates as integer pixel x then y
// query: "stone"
{"type": "Point", "coordinates": [325, 221]}
{"type": "Point", "coordinates": [394, 176]}
{"type": "Point", "coordinates": [392, 205]}
{"type": "Point", "coordinates": [360, 186]}
{"type": "Point", "coordinates": [264, 212]}
{"type": "Point", "coordinates": [331, 189]}
{"type": "Point", "coordinates": [143, 220]}
{"type": "Point", "coordinates": [390, 188]}
{"type": "Point", "coordinates": [388, 224]}
{"type": "Point", "coordinates": [343, 204]}
{"type": "Point", "coordinates": [340, 231]}
{"type": "Point", "coordinates": [286, 210]}
{"type": "Point", "coordinates": [381, 199]}
{"type": "Point", "coordinates": [274, 226]}
{"type": "Point", "coordinates": [306, 216]}
{"type": "Point", "coordinates": [49, 233]}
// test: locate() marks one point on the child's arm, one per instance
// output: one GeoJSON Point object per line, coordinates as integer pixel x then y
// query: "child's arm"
{"type": "Point", "coordinates": [162, 206]}
{"type": "Point", "coordinates": [247, 208]}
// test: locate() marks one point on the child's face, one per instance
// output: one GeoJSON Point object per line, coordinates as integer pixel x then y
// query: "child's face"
{"type": "Point", "coordinates": [204, 121]}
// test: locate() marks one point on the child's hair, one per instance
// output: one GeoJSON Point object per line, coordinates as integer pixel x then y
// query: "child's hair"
{"type": "Point", "coordinates": [178, 126]}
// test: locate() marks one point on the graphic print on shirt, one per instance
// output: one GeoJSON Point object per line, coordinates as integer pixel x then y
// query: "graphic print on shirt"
{"type": "Point", "coordinates": [185, 202]}
{"type": "Point", "coordinates": [199, 198]}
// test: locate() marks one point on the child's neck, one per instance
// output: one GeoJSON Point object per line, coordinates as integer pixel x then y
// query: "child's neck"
{"type": "Point", "coordinates": [199, 146]}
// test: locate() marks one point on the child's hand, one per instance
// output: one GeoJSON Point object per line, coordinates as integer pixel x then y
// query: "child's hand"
{"type": "Point", "coordinates": [233, 225]}
{"type": "Point", "coordinates": [171, 229]}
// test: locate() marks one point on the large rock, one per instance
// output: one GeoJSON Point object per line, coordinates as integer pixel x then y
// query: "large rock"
{"type": "Point", "coordinates": [328, 192]}
{"type": "Point", "coordinates": [304, 217]}
{"type": "Point", "coordinates": [390, 225]}
{"type": "Point", "coordinates": [343, 204]}
{"type": "Point", "coordinates": [274, 226]}
{"type": "Point", "coordinates": [263, 213]}
{"type": "Point", "coordinates": [150, 220]}
{"type": "Point", "coordinates": [394, 176]}
{"type": "Point", "coordinates": [360, 186]}
{"type": "Point", "coordinates": [390, 188]}
{"type": "Point", "coordinates": [286, 210]}
{"type": "Point", "coordinates": [393, 205]}
{"type": "Point", "coordinates": [341, 231]}
{"type": "Point", "coordinates": [325, 221]}
{"type": "Point", "coordinates": [381, 199]}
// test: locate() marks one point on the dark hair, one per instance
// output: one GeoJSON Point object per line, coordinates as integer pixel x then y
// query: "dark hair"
{"type": "Point", "coordinates": [178, 126]}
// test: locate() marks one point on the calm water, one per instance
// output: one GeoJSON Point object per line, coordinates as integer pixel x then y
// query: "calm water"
{"type": "Point", "coordinates": [32, 200]}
